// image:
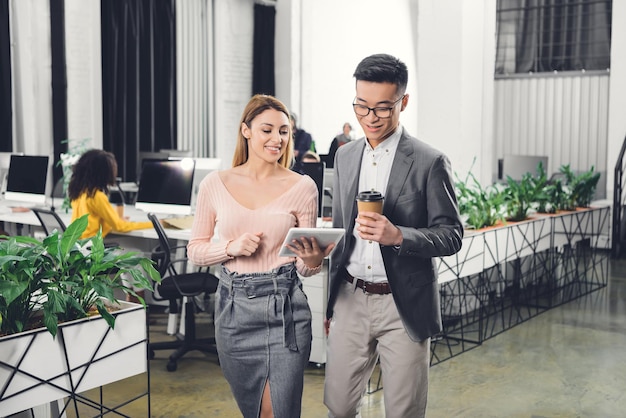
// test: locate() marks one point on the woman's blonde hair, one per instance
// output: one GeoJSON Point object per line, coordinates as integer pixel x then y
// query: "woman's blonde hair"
{"type": "Point", "coordinates": [258, 104]}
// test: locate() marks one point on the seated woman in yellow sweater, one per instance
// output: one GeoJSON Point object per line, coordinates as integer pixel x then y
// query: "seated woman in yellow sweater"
{"type": "Point", "coordinates": [92, 176]}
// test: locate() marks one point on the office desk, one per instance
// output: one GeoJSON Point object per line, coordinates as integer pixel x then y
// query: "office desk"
{"type": "Point", "coordinates": [21, 218]}
{"type": "Point", "coordinates": [29, 219]}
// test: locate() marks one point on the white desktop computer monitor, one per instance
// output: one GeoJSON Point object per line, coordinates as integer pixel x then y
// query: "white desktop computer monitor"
{"type": "Point", "coordinates": [26, 180]}
{"type": "Point", "coordinates": [165, 186]}
{"type": "Point", "coordinates": [516, 166]}
{"type": "Point", "coordinates": [5, 159]}
{"type": "Point", "coordinates": [203, 167]}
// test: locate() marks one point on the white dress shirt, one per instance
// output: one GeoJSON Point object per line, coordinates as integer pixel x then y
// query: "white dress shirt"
{"type": "Point", "coordinates": [366, 261]}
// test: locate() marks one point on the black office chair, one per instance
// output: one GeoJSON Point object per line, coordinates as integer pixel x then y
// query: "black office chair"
{"type": "Point", "coordinates": [50, 220]}
{"type": "Point", "coordinates": [57, 191]}
{"type": "Point", "coordinates": [175, 286]}
{"type": "Point", "coordinates": [117, 196]}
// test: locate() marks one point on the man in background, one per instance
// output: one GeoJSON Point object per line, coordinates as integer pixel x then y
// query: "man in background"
{"type": "Point", "coordinates": [302, 140]}
{"type": "Point", "coordinates": [343, 138]}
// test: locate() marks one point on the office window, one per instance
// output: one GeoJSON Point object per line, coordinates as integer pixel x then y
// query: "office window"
{"type": "Point", "coordinates": [539, 36]}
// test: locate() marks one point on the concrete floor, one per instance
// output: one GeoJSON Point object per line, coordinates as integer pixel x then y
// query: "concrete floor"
{"type": "Point", "coordinates": [566, 362]}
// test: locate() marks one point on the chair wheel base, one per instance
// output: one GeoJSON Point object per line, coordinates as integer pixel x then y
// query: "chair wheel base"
{"type": "Point", "coordinates": [172, 366]}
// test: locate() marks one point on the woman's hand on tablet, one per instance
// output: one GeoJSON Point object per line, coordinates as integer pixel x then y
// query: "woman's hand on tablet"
{"type": "Point", "coordinates": [309, 251]}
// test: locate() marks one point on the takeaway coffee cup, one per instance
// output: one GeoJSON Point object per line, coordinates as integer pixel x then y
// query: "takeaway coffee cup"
{"type": "Point", "coordinates": [370, 201]}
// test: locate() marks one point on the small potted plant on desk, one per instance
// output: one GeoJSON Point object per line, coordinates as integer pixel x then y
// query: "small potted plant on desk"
{"type": "Point", "coordinates": [62, 330]}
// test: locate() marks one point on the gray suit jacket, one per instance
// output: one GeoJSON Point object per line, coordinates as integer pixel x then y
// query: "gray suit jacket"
{"type": "Point", "coordinates": [420, 200]}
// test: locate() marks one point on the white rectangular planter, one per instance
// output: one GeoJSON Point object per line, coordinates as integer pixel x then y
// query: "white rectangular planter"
{"type": "Point", "coordinates": [36, 369]}
{"type": "Point", "coordinates": [468, 261]}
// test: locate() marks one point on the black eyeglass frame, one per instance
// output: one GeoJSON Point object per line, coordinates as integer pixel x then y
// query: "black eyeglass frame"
{"type": "Point", "coordinates": [374, 109]}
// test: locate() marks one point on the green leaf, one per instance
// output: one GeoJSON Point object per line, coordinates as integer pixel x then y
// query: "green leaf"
{"type": "Point", "coordinates": [51, 321]}
{"type": "Point", "coordinates": [26, 240]}
{"type": "Point", "coordinates": [56, 302]}
{"type": "Point", "coordinates": [149, 267]}
{"type": "Point", "coordinates": [98, 245]}
{"type": "Point", "coordinates": [74, 308]}
{"type": "Point", "coordinates": [110, 319]}
{"type": "Point", "coordinates": [73, 232]}
{"type": "Point", "coordinates": [51, 242]}
{"type": "Point", "coordinates": [4, 259]}
{"type": "Point", "coordinates": [103, 289]}
{"type": "Point", "coordinates": [10, 290]}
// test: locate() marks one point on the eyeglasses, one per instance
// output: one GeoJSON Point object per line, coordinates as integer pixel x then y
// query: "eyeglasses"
{"type": "Point", "coordinates": [379, 112]}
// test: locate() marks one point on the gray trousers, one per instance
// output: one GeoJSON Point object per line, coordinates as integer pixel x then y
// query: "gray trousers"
{"type": "Point", "coordinates": [365, 327]}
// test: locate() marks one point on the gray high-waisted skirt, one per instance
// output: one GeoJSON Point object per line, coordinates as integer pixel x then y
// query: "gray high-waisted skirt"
{"type": "Point", "coordinates": [263, 333]}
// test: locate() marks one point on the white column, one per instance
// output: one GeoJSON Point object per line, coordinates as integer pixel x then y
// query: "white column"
{"type": "Point", "coordinates": [455, 61]}
{"type": "Point", "coordinates": [617, 91]}
{"type": "Point", "coordinates": [83, 54]}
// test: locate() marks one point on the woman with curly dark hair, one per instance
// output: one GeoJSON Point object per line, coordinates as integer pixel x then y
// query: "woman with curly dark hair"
{"type": "Point", "coordinates": [92, 176]}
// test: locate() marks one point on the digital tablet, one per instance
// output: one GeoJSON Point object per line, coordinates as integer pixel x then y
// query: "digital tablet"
{"type": "Point", "coordinates": [324, 237]}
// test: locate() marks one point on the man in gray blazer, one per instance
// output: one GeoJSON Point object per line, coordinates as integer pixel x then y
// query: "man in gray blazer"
{"type": "Point", "coordinates": [384, 297]}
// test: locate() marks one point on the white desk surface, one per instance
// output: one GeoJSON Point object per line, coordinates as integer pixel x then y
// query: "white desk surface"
{"type": "Point", "coordinates": [29, 218]}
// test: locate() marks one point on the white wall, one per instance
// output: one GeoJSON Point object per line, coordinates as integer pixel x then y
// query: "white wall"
{"type": "Point", "coordinates": [456, 53]}
{"type": "Point", "coordinates": [334, 36]}
{"type": "Point", "coordinates": [448, 46]}
{"type": "Point", "coordinates": [288, 51]}
{"type": "Point", "coordinates": [233, 70]}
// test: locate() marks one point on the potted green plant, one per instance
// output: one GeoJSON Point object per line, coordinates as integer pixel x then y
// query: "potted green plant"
{"type": "Point", "coordinates": [62, 330]}
{"type": "Point", "coordinates": [553, 197]}
{"type": "Point", "coordinates": [62, 278]}
{"type": "Point", "coordinates": [582, 187]}
{"type": "Point", "coordinates": [75, 148]}
{"type": "Point", "coordinates": [479, 206]}
{"type": "Point", "coordinates": [524, 195]}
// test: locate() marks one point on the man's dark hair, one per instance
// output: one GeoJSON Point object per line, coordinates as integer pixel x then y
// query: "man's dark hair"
{"type": "Point", "coordinates": [383, 68]}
